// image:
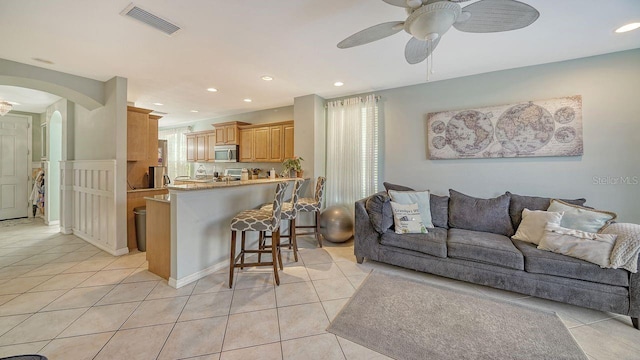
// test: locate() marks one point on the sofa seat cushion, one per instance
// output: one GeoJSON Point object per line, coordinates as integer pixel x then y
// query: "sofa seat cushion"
{"type": "Point", "coordinates": [548, 263]}
{"type": "Point", "coordinates": [484, 247]}
{"type": "Point", "coordinates": [432, 243]}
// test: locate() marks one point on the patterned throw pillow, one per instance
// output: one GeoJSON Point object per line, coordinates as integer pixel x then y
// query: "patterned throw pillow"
{"type": "Point", "coordinates": [625, 251]}
{"type": "Point", "coordinates": [407, 219]}
{"type": "Point", "coordinates": [581, 218]}
{"type": "Point", "coordinates": [422, 198]}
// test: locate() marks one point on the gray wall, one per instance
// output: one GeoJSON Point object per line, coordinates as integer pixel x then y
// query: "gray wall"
{"type": "Point", "coordinates": [611, 119]}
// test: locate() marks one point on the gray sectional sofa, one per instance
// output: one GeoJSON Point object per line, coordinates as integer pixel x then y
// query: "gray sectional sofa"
{"type": "Point", "coordinates": [484, 253]}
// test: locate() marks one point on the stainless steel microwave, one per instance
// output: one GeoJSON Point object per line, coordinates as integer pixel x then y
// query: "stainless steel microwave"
{"type": "Point", "coordinates": [226, 153]}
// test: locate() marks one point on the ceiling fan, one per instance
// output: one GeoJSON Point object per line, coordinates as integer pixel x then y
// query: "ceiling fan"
{"type": "Point", "coordinates": [428, 20]}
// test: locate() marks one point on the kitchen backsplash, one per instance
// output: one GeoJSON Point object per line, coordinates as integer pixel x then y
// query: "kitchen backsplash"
{"type": "Point", "coordinates": [220, 167]}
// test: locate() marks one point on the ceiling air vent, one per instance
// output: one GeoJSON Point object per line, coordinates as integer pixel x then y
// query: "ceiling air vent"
{"type": "Point", "coordinates": [150, 19]}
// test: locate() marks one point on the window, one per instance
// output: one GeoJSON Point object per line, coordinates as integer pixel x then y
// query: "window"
{"type": "Point", "coordinates": [177, 164]}
{"type": "Point", "coordinates": [352, 150]}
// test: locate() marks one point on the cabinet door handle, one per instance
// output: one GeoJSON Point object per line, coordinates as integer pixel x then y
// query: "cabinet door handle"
{"type": "Point", "coordinates": [229, 154]}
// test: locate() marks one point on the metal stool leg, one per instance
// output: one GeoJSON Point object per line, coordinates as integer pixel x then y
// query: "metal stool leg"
{"type": "Point", "coordinates": [244, 238]}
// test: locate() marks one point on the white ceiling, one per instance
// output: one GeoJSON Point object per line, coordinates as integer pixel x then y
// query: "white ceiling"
{"type": "Point", "coordinates": [27, 100]}
{"type": "Point", "coordinates": [231, 44]}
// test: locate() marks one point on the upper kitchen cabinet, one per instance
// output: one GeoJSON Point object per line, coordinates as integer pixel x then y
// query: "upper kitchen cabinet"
{"type": "Point", "coordinates": [137, 133]}
{"type": "Point", "coordinates": [271, 142]}
{"type": "Point", "coordinates": [200, 146]}
{"type": "Point", "coordinates": [288, 141]}
{"type": "Point", "coordinates": [227, 133]}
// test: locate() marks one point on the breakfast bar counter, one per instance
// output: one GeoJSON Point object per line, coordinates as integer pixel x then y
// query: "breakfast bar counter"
{"type": "Point", "coordinates": [199, 221]}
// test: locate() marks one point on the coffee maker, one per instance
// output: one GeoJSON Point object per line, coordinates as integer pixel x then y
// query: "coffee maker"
{"type": "Point", "coordinates": [158, 177]}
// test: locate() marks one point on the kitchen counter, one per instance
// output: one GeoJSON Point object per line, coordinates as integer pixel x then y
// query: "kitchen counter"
{"type": "Point", "coordinates": [220, 184]}
{"type": "Point", "coordinates": [146, 189]}
{"type": "Point", "coordinates": [199, 230]}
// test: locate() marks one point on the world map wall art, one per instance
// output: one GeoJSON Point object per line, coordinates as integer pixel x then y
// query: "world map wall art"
{"type": "Point", "coordinates": [536, 128]}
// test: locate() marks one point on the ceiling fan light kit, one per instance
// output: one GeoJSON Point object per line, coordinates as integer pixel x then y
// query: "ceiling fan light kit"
{"type": "Point", "coordinates": [5, 107]}
{"type": "Point", "coordinates": [429, 20]}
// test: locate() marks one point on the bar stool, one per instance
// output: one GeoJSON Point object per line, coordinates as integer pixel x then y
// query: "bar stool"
{"type": "Point", "coordinates": [313, 205]}
{"type": "Point", "coordinates": [289, 212]}
{"type": "Point", "coordinates": [257, 220]}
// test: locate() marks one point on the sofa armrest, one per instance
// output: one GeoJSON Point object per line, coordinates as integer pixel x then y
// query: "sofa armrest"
{"type": "Point", "coordinates": [367, 239]}
{"type": "Point", "coordinates": [634, 294]}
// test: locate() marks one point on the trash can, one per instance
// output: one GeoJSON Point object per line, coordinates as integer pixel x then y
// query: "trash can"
{"type": "Point", "coordinates": [141, 227]}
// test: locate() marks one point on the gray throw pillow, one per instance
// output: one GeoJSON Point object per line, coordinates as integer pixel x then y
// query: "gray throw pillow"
{"type": "Point", "coordinates": [390, 186]}
{"type": "Point", "coordinates": [378, 207]}
{"type": "Point", "coordinates": [488, 215]}
{"type": "Point", "coordinates": [439, 211]}
{"type": "Point", "coordinates": [520, 202]}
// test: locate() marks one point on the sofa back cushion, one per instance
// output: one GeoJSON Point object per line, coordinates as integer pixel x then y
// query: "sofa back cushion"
{"type": "Point", "coordinates": [439, 211]}
{"type": "Point", "coordinates": [488, 215]}
{"type": "Point", "coordinates": [520, 202]}
{"type": "Point", "coordinates": [378, 207]}
{"type": "Point", "coordinates": [390, 186]}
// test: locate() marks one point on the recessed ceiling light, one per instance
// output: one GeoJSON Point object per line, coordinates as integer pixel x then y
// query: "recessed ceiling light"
{"type": "Point", "coordinates": [212, 89]}
{"type": "Point", "coordinates": [338, 83]}
{"type": "Point", "coordinates": [267, 78]}
{"type": "Point", "coordinates": [248, 100]}
{"type": "Point", "coordinates": [158, 104]}
{"type": "Point", "coordinates": [628, 27]}
{"type": "Point", "coordinates": [194, 111]}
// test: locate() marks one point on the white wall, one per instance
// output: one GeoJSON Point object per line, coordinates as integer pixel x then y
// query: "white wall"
{"type": "Point", "coordinates": [611, 119]}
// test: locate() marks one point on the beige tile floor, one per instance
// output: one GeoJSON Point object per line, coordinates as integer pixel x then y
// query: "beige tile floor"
{"type": "Point", "coordinates": [66, 299]}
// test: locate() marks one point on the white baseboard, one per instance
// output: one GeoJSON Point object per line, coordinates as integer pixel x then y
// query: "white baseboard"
{"type": "Point", "coordinates": [199, 275]}
{"type": "Point", "coordinates": [117, 252]}
{"type": "Point", "coordinates": [52, 223]}
{"type": "Point", "coordinates": [66, 230]}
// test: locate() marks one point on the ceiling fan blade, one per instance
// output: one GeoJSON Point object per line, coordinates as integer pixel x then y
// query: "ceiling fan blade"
{"type": "Point", "coordinates": [497, 15]}
{"type": "Point", "coordinates": [373, 33]}
{"type": "Point", "coordinates": [401, 3]}
{"type": "Point", "coordinates": [417, 51]}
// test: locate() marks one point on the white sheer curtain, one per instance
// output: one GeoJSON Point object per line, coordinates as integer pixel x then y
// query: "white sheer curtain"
{"type": "Point", "coordinates": [177, 147]}
{"type": "Point", "coordinates": [352, 150]}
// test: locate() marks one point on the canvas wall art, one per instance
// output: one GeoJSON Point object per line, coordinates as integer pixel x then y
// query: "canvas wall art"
{"type": "Point", "coordinates": [550, 127]}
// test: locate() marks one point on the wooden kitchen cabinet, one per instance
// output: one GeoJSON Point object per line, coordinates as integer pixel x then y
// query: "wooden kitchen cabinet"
{"type": "Point", "coordinates": [261, 144]}
{"type": "Point", "coordinates": [228, 133]}
{"type": "Point", "coordinates": [191, 148]}
{"type": "Point", "coordinates": [211, 143]}
{"type": "Point", "coordinates": [137, 133]}
{"type": "Point", "coordinates": [246, 145]}
{"type": "Point", "coordinates": [288, 141]}
{"type": "Point", "coordinates": [200, 146]}
{"type": "Point", "coordinates": [266, 142]}
{"type": "Point", "coordinates": [275, 143]}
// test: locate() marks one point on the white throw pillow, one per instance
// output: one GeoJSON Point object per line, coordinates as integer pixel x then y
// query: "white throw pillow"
{"type": "Point", "coordinates": [627, 247]}
{"type": "Point", "coordinates": [407, 219]}
{"type": "Point", "coordinates": [422, 198]}
{"type": "Point", "coordinates": [533, 223]}
{"type": "Point", "coordinates": [581, 218]}
{"type": "Point", "coordinates": [592, 247]}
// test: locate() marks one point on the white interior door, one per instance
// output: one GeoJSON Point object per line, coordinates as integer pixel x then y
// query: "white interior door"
{"type": "Point", "coordinates": [14, 167]}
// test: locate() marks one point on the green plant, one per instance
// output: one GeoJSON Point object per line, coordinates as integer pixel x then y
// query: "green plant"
{"type": "Point", "coordinates": [292, 164]}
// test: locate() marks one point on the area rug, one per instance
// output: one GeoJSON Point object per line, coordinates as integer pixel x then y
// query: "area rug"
{"type": "Point", "coordinates": [14, 222]}
{"type": "Point", "coordinates": [406, 320]}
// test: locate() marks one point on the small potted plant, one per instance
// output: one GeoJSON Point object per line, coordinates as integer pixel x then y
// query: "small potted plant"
{"type": "Point", "coordinates": [292, 164]}
{"type": "Point", "coordinates": [255, 173]}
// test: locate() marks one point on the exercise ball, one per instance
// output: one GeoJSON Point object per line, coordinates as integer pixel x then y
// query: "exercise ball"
{"type": "Point", "coordinates": [336, 224]}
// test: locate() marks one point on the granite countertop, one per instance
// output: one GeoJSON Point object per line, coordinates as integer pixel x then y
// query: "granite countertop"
{"type": "Point", "coordinates": [165, 198]}
{"type": "Point", "coordinates": [223, 184]}
{"type": "Point", "coordinates": [146, 189]}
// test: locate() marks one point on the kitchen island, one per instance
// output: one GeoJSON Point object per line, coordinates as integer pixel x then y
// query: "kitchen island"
{"type": "Point", "coordinates": [199, 220]}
